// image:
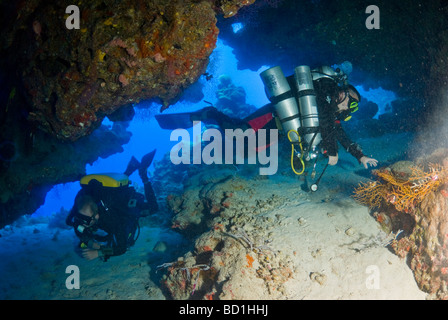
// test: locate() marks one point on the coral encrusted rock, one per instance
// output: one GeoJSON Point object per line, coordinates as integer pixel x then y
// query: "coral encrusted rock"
{"type": "Point", "coordinates": [424, 220]}
{"type": "Point", "coordinates": [123, 52]}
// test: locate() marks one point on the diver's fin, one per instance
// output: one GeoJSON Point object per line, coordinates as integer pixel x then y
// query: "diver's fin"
{"type": "Point", "coordinates": [174, 121]}
{"type": "Point", "coordinates": [147, 159]}
{"type": "Point", "coordinates": [144, 164]}
{"type": "Point", "coordinates": [185, 120]}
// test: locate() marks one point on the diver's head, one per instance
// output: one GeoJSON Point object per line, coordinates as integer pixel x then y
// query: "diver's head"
{"type": "Point", "coordinates": [347, 102]}
{"type": "Point", "coordinates": [87, 211]}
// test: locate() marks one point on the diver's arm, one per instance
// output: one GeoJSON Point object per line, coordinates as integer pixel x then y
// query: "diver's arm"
{"type": "Point", "coordinates": [105, 252]}
{"type": "Point", "coordinates": [92, 249]}
{"type": "Point", "coordinates": [89, 248]}
{"type": "Point", "coordinates": [350, 146]}
{"type": "Point", "coordinates": [90, 254]}
{"type": "Point", "coordinates": [329, 143]}
{"type": "Point", "coordinates": [94, 245]}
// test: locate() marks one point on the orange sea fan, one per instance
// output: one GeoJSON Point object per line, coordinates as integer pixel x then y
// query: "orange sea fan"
{"type": "Point", "coordinates": [403, 192]}
{"type": "Point", "coordinates": [370, 193]}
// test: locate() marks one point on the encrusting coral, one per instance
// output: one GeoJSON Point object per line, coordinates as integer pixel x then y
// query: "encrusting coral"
{"type": "Point", "coordinates": [418, 192]}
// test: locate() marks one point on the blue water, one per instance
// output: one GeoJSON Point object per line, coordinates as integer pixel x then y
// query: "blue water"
{"type": "Point", "coordinates": [147, 135]}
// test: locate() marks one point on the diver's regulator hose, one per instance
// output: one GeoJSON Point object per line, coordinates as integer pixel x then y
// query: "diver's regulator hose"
{"type": "Point", "coordinates": [314, 186]}
{"type": "Point", "coordinates": [293, 152]}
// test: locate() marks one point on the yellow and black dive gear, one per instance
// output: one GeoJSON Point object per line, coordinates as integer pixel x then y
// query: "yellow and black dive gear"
{"type": "Point", "coordinates": [295, 153]}
{"type": "Point", "coordinates": [113, 180]}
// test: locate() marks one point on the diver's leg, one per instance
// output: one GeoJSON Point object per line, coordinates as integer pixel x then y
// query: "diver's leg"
{"type": "Point", "coordinates": [212, 115]}
{"type": "Point", "coordinates": [151, 199]}
{"type": "Point", "coordinates": [149, 191]}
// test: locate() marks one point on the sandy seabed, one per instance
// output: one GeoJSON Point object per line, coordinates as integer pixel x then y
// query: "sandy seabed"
{"type": "Point", "coordinates": [333, 243]}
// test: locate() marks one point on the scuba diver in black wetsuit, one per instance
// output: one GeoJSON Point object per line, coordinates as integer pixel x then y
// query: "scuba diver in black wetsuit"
{"type": "Point", "coordinates": [106, 211]}
{"type": "Point", "coordinates": [308, 107]}
{"type": "Point", "coordinates": [334, 106]}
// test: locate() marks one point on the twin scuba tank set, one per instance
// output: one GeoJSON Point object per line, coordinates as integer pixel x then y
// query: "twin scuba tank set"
{"type": "Point", "coordinates": [296, 109]}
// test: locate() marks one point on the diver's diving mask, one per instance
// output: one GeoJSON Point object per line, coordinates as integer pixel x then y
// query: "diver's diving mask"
{"type": "Point", "coordinates": [352, 104]}
{"type": "Point", "coordinates": [85, 220]}
{"type": "Point", "coordinates": [346, 115]}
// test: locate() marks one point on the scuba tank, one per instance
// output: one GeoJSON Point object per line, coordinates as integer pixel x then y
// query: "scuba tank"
{"type": "Point", "coordinates": [297, 110]}
{"type": "Point", "coordinates": [280, 94]}
{"type": "Point", "coordinates": [306, 97]}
